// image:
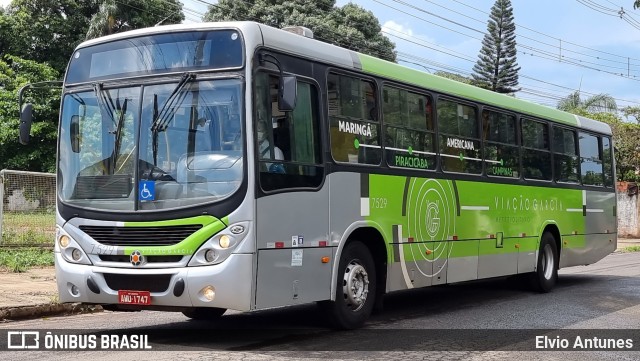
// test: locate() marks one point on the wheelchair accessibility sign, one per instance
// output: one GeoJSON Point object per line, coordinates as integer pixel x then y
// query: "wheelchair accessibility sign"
{"type": "Point", "coordinates": [147, 191]}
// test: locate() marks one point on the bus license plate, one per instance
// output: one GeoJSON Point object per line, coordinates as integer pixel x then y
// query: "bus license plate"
{"type": "Point", "coordinates": [134, 297]}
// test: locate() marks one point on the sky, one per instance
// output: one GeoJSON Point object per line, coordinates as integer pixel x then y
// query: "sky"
{"type": "Point", "coordinates": [563, 45]}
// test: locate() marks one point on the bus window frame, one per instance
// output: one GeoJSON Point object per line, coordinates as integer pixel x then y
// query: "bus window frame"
{"type": "Point", "coordinates": [420, 91]}
{"type": "Point", "coordinates": [518, 144]}
{"type": "Point", "coordinates": [598, 137]}
{"type": "Point", "coordinates": [270, 71]}
{"type": "Point", "coordinates": [477, 106]}
{"type": "Point", "coordinates": [574, 130]}
{"type": "Point", "coordinates": [378, 113]}
{"type": "Point", "coordinates": [523, 148]}
{"type": "Point", "coordinates": [612, 161]}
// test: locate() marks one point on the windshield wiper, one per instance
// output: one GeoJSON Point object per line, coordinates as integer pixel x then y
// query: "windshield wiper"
{"type": "Point", "coordinates": [118, 134]}
{"type": "Point", "coordinates": [161, 118]}
{"type": "Point", "coordinates": [105, 104]}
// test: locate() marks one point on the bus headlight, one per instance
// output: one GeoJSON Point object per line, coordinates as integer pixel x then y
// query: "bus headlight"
{"type": "Point", "coordinates": [210, 255]}
{"type": "Point", "coordinates": [76, 254]}
{"type": "Point", "coordinates": [221, 246]}
{"type": "Point", "coordinates": [225, 241]}
{"type": "Point", "coordinates": [70, 249]}
{"type": "Point", "coordinates": [64, 241]}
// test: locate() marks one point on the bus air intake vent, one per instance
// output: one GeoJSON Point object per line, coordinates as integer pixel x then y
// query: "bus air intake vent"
{"type": "Point", "coordinates": [140, 236]}
{"type": "Point", "coordinates": [103, 187]}
{"type": "Point", "coordinates": [151, 283]}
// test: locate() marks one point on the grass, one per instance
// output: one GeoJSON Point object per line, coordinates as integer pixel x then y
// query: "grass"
{"type": "Point", "coordinates": [631, 249]}
{"type": "Point", "coordinates": [21, 259]}
{"type": "Point", "coordinates": [36, 228]}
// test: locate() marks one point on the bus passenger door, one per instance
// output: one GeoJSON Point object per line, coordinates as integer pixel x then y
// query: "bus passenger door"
{"type": "Point", "coordinates": [294, 260]}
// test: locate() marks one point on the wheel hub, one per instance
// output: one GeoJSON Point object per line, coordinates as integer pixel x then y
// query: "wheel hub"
{"type": "Point", "coordinates": [355, 286]}
{"type": "Point", "coordinates": [547, 262]}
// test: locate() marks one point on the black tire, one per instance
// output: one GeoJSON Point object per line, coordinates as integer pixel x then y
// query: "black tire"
{"type": "Point", "coordinates": [546, 274]}
{"type": "Point", "coordinates": [353, 305]}
{"type": "Point", "coordinates": [204, 313]}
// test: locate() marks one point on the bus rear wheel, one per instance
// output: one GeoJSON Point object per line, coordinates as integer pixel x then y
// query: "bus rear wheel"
{"type": "Point", "coordinates": [546, 274]}
{"type": "Point", "coordinates": [204, 313]}
{"type": "Point", "coordinates": [355, 290]}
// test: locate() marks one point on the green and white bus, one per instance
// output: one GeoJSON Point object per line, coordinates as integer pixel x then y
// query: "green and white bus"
{"type": "Point", "coordinates": [237, 166]}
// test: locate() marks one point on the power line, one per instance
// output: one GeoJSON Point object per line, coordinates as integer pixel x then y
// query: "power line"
{"type": "Point", "coordinates": [556, 47]}
{"type": "Point", "coordinates": [551, 36]}
{"type": "Point", "coordinates": [448, 52]}
{"type": "Point", "coordinates": [566, 59]}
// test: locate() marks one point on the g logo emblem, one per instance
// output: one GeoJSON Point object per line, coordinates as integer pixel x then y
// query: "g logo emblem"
{"type": "Point", "coordinates": [136, 258]}
{"type": "Point", "coordinates": [432, 220]}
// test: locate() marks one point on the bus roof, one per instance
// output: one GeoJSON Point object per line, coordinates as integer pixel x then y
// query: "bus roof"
{"type": "Point", "coordinates": [333, 55]}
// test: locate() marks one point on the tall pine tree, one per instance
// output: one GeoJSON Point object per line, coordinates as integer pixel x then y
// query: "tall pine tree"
{"type": "Point", "coordinates": [497, 68]}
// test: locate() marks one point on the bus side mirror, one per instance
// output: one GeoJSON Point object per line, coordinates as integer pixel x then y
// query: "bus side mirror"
{"type": "Point", "coordinates": [287, 93]}
{"type": "Point", "coordinates": [26, 116]}
{"type": "Point", "coordinates": [75, 133]}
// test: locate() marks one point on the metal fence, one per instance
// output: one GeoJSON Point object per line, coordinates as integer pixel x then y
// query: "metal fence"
{"type": "Point", "coordinates": [27, 208]}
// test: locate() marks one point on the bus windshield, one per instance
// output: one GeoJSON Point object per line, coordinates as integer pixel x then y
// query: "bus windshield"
{"type": "Point", "coordinates": [157, 147]}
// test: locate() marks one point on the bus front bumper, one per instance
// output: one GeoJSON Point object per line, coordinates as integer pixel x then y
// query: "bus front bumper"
{"type": "Point", "coordinates": [231, 282]}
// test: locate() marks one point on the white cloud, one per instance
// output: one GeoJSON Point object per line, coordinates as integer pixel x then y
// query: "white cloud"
{"type": "Point", "coordinates": [395, 28]}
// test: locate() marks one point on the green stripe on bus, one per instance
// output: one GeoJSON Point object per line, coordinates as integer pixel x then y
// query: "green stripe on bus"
{"type": "Point", "coordinates": [447, 86]}
{"type": "Point", "coordinates": [210, 226]}
{"type": "Point", "coordinates": [427, 210]}
{"type": "Point", "coordinates": [186, 247]}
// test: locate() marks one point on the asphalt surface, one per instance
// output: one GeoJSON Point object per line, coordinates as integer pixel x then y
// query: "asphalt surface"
{"type": "Point", "coordinates": [484, 320]}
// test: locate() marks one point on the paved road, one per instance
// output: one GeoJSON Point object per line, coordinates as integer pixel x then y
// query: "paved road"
{"type": "Point", "coordinates": [601, 296]}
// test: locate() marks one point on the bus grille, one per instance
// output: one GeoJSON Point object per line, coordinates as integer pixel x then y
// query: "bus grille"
{"type": "Point", "coordinates": [140, 236]}
{"type": "Point", "coordinates": [151, 283]}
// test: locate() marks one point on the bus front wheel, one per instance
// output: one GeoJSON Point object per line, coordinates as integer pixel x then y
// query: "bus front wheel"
{"type": "Point", "coordinates": [546, 274]}
{"type": "Point", "coordinates": [355, 290]}
{"type": "Point", "coordinates": [204, 313]}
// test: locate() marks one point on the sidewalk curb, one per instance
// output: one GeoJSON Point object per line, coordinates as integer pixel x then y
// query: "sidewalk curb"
{"type": "Point", "coordinates": [50, 309]}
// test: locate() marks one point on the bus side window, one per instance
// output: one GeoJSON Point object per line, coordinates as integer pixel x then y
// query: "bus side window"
{"type": "Point", "coordinates": [565, 155]}
{"type": "Point", "coordinates": [354, 127]}
{"type": "Point", "coordinates": [536, 155]}
{"type": "Point", "coordinates": [591, 166]}
{"type": "Point", "coordinates": [295, 135]}
{"type": "Point", "coordinates": [460, 146]}
{"type": "Point", "coordinates": [607, 156]}
{"type": "Point", "coordinates": [501, 151]}
{"type": "Point", "coordinates": [408, 130]}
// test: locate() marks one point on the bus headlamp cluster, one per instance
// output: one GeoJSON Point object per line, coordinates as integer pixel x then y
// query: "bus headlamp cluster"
{"type": "Point", "coordinates": [69, 248]}
{"type": "Point", "coordinates": [219, 247]}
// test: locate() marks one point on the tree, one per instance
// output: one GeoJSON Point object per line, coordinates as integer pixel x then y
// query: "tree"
{"type": "Point", "coordinates": [115, 16]}
{"type": "Point", "coordinates": [636, 4]}
{"type": "Point", "coordinates": [626, 139]}
{"type": "Point", "coordinates": [626, 136]}
{"type": "Point", "coordinates": [40, 154]}
{"type": "Point", "coordinates": [45, 31]}
{"type": "Point", "coordinates": [598, 103]}
{"type": "Point", "coordinates": [496, 68]}
{"type": "Point", "coordinates": [453, 76]}
{"type": "Point", "coordinates": [350, 26]}
{"type": "Point", "coordinates": [630, 111]}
